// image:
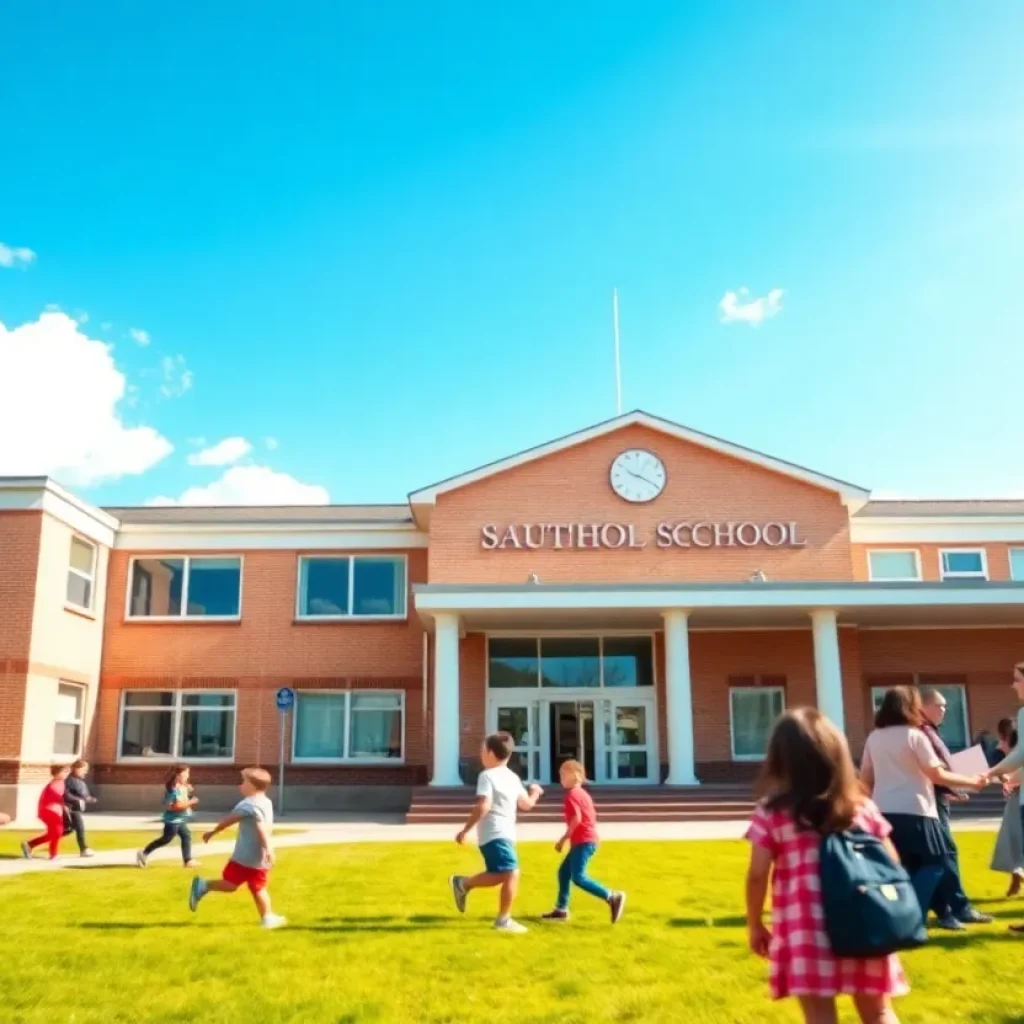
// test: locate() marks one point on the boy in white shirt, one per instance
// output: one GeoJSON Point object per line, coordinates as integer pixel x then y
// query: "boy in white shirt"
{"type": "Point", "coordinates": [499, 794]}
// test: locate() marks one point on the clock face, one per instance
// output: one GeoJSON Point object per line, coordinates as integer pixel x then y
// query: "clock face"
{"type": "Point", "coordinates": [638, 475]}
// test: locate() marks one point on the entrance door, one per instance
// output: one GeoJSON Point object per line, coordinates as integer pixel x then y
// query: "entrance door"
{"type": "Point", "coordinates": [521, 719]}
{"type": "Point", "coordinates": [629, 752]}
{"type": "Point", "coordinates": [572, 735]}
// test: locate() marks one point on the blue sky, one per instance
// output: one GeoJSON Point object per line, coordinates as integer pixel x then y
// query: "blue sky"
{"type": "Point", "coordinates": [385, 238]}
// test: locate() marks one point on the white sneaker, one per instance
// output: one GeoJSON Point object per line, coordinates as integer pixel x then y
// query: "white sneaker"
{"type": "Point", "coordinates": [273, 921]}
{"type": "Point", "coordinates": [88, 853]}
{"type": "Point", "coordinates": [510, 926]}
{"type": "Point", "coordinates": [26, 851]}
{"type": "Point", "coordinates": [140, 859]}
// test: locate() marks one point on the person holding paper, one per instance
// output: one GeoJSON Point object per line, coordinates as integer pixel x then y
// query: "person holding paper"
{"type": "Point", "coordinates": [933, 711]}
{"type": "Point", "coordinates": [901, 769]}
{"type": "Point", "coordinates": [1014, 761]}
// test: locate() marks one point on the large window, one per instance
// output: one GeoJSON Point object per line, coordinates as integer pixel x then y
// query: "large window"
{"type": "Point", "coordinates": [1017, 564]}
{"type": "Point", "coordinates": [955, 728]}
{"type": "Point", "coordinates": [963, 564]}
{"type": "Point", "coordinates": [894, 566]}
{"type": "Point", "coordinates": [351, 586]}
{"type": "Point", "coordinates": [351, 725]}
{"type": "Point", "coordinates": [169, 724]}
{"type": "Point", "coordinates": [586, 662]}
{"type": "Point", "coordinates": [185, 587]}
{"type": "Point", "coordinates": [68, 721]}
{"type": "Point", "coordinates": [752, 714]}
{"type": "Point", "coordinates": [81, 574]}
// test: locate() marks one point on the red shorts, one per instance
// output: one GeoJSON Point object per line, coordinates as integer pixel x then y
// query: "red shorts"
{"type": "Point", "coordinates": [239, 874]}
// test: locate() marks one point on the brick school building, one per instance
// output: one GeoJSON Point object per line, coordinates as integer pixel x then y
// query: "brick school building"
{"type": "Point", "coordinates": [637, 595]}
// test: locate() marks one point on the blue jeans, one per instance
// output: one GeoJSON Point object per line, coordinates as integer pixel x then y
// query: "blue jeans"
{"type": "Point", "coordinates": [573, 871]}
{"type": "Point", "coordinates": [171, 830]}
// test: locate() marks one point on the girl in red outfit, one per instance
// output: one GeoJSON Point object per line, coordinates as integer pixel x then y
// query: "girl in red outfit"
{"type": "Point", "coordinates": [51, 813]}
{"type": "Point", "coordinates": [808, 789]}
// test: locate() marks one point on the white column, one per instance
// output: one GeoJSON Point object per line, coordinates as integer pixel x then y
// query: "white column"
{"type": "Point", "coordinates": [446, 700]}
{"type": "Point", "coordinates": [827, 672]}
{"type": "Point", "coordinates": [679, 700]}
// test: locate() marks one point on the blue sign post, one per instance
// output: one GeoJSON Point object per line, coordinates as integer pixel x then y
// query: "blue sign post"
{"type": "Point", "coordinates": [285, 702]}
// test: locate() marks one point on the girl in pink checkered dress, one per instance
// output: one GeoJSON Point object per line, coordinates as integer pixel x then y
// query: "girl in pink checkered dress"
{"type": "Point", "coordinates": [809, 788]}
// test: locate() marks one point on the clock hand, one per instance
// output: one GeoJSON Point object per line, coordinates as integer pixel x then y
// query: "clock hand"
{"type": "Point", "coordinates": [640, 476]}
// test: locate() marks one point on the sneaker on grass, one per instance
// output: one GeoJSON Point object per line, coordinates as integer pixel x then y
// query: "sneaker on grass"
{"type": "Point", "coordinates": [617, 903]}
{"type": "Point", "coordinates": [141, 859]}
{"type": "Point", "coordinates": [26, 851]}
{"type": "Point", "coordinates": [506, 924]}
{"type": "Point", "coordinates": [458, 892]}
{"type": "Point", "coordinates": [197, 890]}
{"type": "Point", "coordinates": [555, 915]}
{"type": "Point", "coordinates": [273, 921]}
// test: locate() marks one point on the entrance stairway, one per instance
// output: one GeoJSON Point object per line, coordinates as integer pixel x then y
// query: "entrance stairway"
{"type": "Point", "coordinates": [641, 803]}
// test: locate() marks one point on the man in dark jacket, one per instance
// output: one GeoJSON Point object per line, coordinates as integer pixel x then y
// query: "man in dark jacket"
{"type": "Point", "coordinates": [76, 798]}
{"type": "Point", "coordinates": [961, 912]}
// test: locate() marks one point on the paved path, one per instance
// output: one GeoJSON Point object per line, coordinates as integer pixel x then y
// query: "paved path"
{"type": "Point", "coordinates": [327, 831]}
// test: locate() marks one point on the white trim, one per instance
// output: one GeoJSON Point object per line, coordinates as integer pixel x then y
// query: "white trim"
{"type": "Point", "coordinates": [175, 710]}
{"type": "Point", "coordinates": [273, 537]}
{"type": "Point", "coordinates": [732, 732]}
{"type": "Point", "coordinates": [936, 529]}
{"type": "Point", "coordinates": [89, 577]}
{"type": "Point", "coordinates": [849, 493]}
{"type": "Point", "coordinates": [943, 574]}
{"type": "Point", "coordinates": [1010, 552]}
{"type": "Point", "coordinates": [44, 495]}
{"type": "Point", "coordinates": [352, 558]}
{"type": "Point", "coordinates": [916, 578]}
{"type": "Point", "coordinates": [346, 734]}
{"type": "Point", "coordinates": [945, 628]}
{"type": "Point", "coordinates": [183, 615]}
{"type": "Point", "coordinates": [80, 723]}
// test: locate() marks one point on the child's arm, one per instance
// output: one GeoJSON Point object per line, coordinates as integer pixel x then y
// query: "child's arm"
{"type": "Point", "coordinates": [231, 819]}
{"type": "Point", "coordinates": [757, 891]}
{"type": "Point", "coordinates": [264, 837]}
{"type": "Point", "coordinates": [528, 800]}
{"type": "Point", "coordinates": [572, 822]}
{"type": "Point", "coordinates": [480, 808]}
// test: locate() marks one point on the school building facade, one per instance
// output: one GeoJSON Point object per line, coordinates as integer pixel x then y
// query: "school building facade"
{"type": "Point", "coordinates": [637, 595]}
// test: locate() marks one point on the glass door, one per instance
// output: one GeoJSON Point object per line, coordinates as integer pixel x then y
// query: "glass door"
{"type": "Point", "coordinates": [629, 753]}
{"type": "Point", "coordinates": [521, 719]}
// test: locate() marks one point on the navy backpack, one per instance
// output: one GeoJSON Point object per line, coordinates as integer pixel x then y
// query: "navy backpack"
{"type": "Point", "coordinates": [871, 906]}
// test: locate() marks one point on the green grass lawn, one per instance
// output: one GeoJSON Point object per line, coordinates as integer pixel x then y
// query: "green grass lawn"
{"type": "Point", "coordinates": [11, 840]}
{"type": "Point", "coordinates": [373, 937]}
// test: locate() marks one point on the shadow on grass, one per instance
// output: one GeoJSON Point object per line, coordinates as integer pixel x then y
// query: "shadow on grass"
{"type": "Point", "coordinates": [732, 921]}
{"type": "Point", "coordinates": [141, 926]}
{"type": "Point", "coordinates": [379, 923]}
{"type": "Point", "coordinates": [962, 941]}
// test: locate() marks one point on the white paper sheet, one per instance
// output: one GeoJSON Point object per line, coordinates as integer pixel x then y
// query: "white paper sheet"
{"type": "Point", "coordinates": [971, 761]}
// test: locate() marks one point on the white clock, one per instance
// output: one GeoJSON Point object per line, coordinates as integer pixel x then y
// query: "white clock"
{"type": "Point", "coordinates": [638, 475]}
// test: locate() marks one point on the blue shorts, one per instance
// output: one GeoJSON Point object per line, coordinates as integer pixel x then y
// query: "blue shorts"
{"type": "Point", "coordinates": [500, 856]}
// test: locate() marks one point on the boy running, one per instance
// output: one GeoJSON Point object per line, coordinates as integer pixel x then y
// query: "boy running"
{"type": "Point", "coordinates": [253, 856]}
{"type": "Point", "coordinates": [499, 794]}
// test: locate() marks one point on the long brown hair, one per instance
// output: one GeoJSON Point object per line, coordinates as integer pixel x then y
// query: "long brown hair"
{"type": "Point", "coordinates": [172, 776]}
{"type": "Point", "coordinates": [809, 773]}
{"type": "Point", "coordinates": [900, 706]}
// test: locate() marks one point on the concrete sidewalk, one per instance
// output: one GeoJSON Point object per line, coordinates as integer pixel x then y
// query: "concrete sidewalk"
{"type": "Point", "coordinates": [329, 830]}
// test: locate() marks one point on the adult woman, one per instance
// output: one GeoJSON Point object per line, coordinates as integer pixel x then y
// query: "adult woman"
{"type": "Point", "coordinates": [1008, 856]}
{"type": "Point", "coordinates": [901, 769]}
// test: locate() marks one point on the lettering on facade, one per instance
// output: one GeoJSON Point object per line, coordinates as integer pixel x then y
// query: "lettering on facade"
{"type": "Point", "coordinates": [598, 536]}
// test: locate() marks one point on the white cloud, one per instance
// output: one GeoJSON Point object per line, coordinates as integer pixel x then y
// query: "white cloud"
{"type": "Point", "coordinates": [251, 485]}
{"type": "Point", "coordinates": [740, 307]}
{"type": "Point", "coordinates": [60, 411]}
{"type": "Point", "coordinates": [12, 257]}
{"type": "Point", "coordinates": [138, 335]}
{"type": "Point", "coordinates": [231, 449]}
{"type": "Point", "coordinates": [177, 377]}
{"type": "Point", "coordinates": [271, 443]}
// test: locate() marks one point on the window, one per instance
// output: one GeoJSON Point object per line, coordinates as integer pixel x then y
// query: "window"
{"type": "Point", "coordinates": [194, 724]}
{"type": "Point", "coordinates": [752, 714]}
{"type": "Point", "coordinates": [81, 573]}
{"type": "Point", "coordinates": [67, 727]}
{"type": "Point", "coordinates": [577, 662]}
{"type": "Point", "coordinates": [1017, 564]}
{"type": "Point", "coordinates": [892, 566]}
{"type": "Point", "coordinates": [955, 728]}
{"type": "Point", "coordinates": [963, 564]}
{"type": "Point", "coordinates": [356, 586]}
{"type": "Point", "coordinates": [185, 587]}
{"type": "Point", "coordinates": [349, 726]}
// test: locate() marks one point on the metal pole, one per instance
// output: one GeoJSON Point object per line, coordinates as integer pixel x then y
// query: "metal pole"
{"type": "Point", "coordinates": [280, 771]}
{"type": "Point", "coordinates": [618, 369]}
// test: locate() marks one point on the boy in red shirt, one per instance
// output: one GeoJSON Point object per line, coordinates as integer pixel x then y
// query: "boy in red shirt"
{"type": "Point", "coordinates": [51, 813]}
{"type": "Point", "coordinates": [581, 835]}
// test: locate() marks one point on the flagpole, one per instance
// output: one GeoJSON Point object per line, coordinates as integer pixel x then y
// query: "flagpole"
{"type": "Point", "coordinates": [618, 368]}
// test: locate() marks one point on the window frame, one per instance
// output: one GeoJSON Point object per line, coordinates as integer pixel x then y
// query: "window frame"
{"type": "Point", "coordinates": [176, 711]}
{"type": "Point", "coordinates": [80, 723]}
{"type": "Point", "coordinates": [301, 616]}
{"type": "Point", "coordinates": [90, 578]}
{"type": "Point", "coordinates": [183, 615]}
{"type": "Point", "coordinates": [601, 635]}
{"type": "Point", "coordinates": [916, 552]}
{"type": "Point", "coordinates": [749, 758]}
{"type": "Point", "coordinates": [1010, 552]}
{"type": "Point", "coordinates": [944, 575]}
{"type": "Point", "coordinates": [922, 681]}
{"type": "Point", "coordinates": [347, 737]}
